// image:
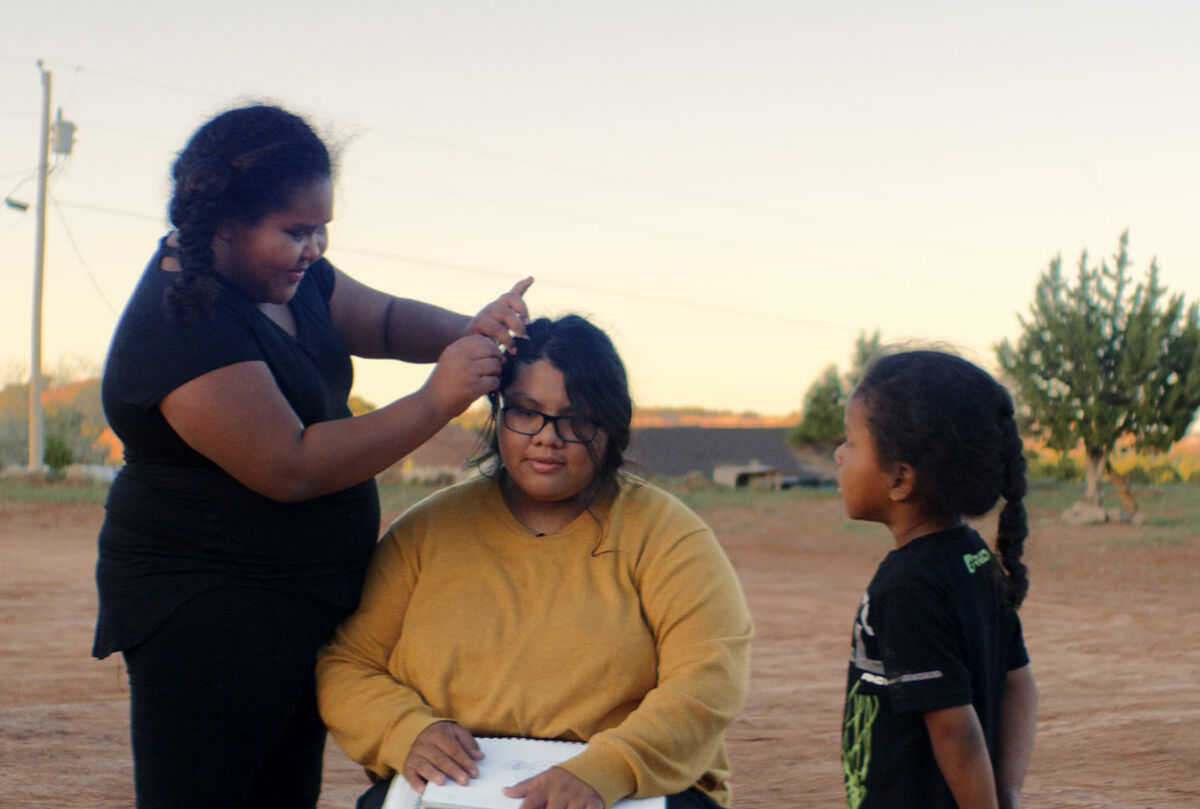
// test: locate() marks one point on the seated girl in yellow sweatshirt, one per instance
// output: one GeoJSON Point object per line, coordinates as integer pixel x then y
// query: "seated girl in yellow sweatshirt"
{"type": "Point", "coordinates": [554, 597]}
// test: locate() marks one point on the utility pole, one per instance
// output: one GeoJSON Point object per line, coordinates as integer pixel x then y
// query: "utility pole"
{"type": "Point", "coordinates": [37, 439]}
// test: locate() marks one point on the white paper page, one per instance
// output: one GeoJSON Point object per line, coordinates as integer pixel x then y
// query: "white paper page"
{"type": "Point", "coordinates": [401, 796]}
{"type": "Point", "coordinates": [507, 762]}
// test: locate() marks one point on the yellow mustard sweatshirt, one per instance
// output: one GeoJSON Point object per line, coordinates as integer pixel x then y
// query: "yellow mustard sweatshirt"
{"type": "Point", "coordinates": [627, 629]}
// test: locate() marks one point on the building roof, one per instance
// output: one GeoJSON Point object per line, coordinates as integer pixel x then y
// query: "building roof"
{"type": "Point", "coordinates": [661, 451]}
{"type": "Point", "coordinates": [449, 448]}
{"type": "Point", "coordinates": [679, 451]}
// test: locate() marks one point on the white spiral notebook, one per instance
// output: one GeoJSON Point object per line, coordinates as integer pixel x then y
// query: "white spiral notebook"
{"type": "Point", "coordinates": [506, 761]}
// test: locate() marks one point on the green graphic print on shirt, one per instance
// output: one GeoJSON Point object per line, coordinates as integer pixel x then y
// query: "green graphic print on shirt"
{"type": "Point", "coordinates": [857, 724]}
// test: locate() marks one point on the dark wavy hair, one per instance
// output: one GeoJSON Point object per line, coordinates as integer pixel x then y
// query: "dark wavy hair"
{"type": "Point", "coordinates": [953, 423]}
{"type": "Point", "coordinates": [595, 382]}
{"type": "Point", "coordinates": [240, 166]}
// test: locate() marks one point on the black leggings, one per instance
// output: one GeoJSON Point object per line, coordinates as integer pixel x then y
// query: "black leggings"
{"type": "Point", "coordinates": [223, 703]}
{"type": "Point", "coordinates": [689, 799]}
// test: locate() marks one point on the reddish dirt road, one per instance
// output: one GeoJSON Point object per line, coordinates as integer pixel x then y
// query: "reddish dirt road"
{"type": "Point", "coordinates": [1110, 625]}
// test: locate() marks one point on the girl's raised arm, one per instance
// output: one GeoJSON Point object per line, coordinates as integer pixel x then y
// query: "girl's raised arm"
{"type": "Point", "coordinates": [237, 417]}
{"type": "Point", "coordinates": [377, 325]}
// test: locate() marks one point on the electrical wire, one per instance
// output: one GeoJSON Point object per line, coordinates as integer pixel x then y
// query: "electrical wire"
{"type": "Point", "coordinates": [790, 216]}
{"type": "Point", "coordinates": [79, 255]}
{"type": "Point", "coordinates": [83, 206]}
{"type": "Point", "coordinates": [508, 274]}
{"type": "Point", "coordinates": [13, 226]}
{"type": "Point", "coordinates": [543, 210]}
{"type": "Point", "coordinates": [504, 274]}
{"type": "Point", "coordinates": [618, 293]}
{"type": "Point", "coordinates": [149, 83]}
{"type": "Point", "coordinates": [71, 89]}
{"type": "Point", "coordinates": [821, 264]}
{"type": "Point", "coordinates": [25, 173]}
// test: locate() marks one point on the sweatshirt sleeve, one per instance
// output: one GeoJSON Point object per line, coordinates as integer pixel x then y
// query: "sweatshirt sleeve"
{"type": "Point", "coordinates": [694, 604]}
{"type": "Point", "coordinates": [373, 717]}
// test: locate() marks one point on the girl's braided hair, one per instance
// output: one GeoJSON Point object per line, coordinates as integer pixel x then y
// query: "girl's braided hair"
{"type": "Point", "coordinates": [240, 166]}
{"type": "Point", "coordinates": [954, 424]}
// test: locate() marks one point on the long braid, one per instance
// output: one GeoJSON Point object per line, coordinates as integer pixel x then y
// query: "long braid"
{"type": "Point", "coordinates": [197, 209]}
{"type": "Point", "coordinates": [1013, 525]}
{"type": "Point", "coordinates": [954, 424]}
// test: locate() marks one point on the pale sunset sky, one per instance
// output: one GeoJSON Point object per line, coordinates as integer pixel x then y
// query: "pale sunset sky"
{"type": "Point", "coordinates": [733, 190]}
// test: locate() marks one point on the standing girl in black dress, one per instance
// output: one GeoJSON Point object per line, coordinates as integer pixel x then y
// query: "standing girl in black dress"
{"type": "Point", "coordinates": [238, 531]}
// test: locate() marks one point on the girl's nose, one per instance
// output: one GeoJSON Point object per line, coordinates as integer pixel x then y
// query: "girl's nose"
{"type": "Point", "coordinates": [548, 434]}
{"type": "Point", "coordinates": [312, 248]}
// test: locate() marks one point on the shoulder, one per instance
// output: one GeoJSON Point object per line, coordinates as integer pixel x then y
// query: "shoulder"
{"type": "Point", "coordinates": [152, 353]}
{"type": "Point", "coordinates": [321, 276]}
{"type": "Point", "coordinates": [147, 297]}
{"type": "Point", "coordinates": [638, 499]}
{"type": "Point", "coordinates": [934, 555]}
{"type": "Point", "coordinates": [652, 525]}
{"type": "Point", "coordinates": [940, 570]}
{"type": "Point", "coordinates": [458, 501]}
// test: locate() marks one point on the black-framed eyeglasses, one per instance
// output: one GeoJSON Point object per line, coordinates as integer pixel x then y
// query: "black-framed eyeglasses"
{"type": "Point", "coordinates": [571, 429]}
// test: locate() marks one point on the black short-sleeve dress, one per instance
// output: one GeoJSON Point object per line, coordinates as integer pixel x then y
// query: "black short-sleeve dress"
{"type": "Point", "coordinates": [177, 525]}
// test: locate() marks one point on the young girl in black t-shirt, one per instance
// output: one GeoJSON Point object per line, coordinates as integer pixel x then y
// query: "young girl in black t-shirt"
{"type": "Point", "coordinates": [941, 701]}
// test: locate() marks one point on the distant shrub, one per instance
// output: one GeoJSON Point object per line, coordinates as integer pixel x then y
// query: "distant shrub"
{"type": "Point", "coordinates": [57, 456]}
{"type": "Point", "coordinates": [1145, 474]}
{"type": "Point", "coordinates": [1062, 468]}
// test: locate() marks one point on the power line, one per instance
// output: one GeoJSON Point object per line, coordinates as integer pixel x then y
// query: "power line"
{"type": "Point", "coordinates": [618, 293]}
{"type": "Point", "coordinates": [25, 173]}
{"type": "Point", "coordinates": [143, 81]}
{"type": "Point", "coordinates": [608, 222]}
{"type": "Point", "coordinates": [16, 223]}
{"type": "Point", "coordinates": [508, 274]}
{"type": "Point", "coordinates": [83, 206]}
{"type": "Point", "coordinates": [751, 207]}
{"type": "Point", "coordinates": [819, 263]}
{"type": "Point", "coordinates": [743, 205]}
{"type": "Point", "coordinates": [79, 254]}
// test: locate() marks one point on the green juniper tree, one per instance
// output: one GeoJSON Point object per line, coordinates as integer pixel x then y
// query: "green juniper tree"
{"type": "Point", "coordinates": [820, 426]}
{"type": "Point", "coordinates": [1103, 360]}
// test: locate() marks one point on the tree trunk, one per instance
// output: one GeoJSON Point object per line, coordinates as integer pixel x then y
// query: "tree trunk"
{"type": "Point", "coordinates": [1122, 486]}
{"type": "Point", "coordinates": [1094, 463]}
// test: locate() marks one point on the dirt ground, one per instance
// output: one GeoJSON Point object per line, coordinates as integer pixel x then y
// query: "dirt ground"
{"type": "Point", "coordinates": [1111, 624]}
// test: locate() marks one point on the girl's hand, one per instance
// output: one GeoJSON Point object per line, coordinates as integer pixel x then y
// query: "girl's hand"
{"type": "Point", "coordinates": [442, 750]}
{"type": "Point", "coordinates": [466, 370]}
{"type": "Point", "coordinates": [504, 319]}
{"type": "Point", "coordinates": [555, 788]}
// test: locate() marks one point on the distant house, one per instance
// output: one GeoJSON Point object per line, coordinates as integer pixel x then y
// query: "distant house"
{"type": "Point", "coordinates": [736, 456]}
{"type": "Point", "coordinates": [682, 451]}
{"type": "Point", "coordinates": [755, 476]}
{"type": "Point", "coordinates": [442, 459]}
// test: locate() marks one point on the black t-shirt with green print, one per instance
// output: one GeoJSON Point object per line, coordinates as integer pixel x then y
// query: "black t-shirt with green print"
{"type": "Point", "coordinates": [932, 631]}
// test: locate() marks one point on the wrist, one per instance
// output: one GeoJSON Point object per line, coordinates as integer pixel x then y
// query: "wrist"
{"type": "Point", "coordinates": [466, 327]}
{"type": "Point", "coordinates": [1008, 797]}
{"type": "Point", "coordinates": [430, 407]}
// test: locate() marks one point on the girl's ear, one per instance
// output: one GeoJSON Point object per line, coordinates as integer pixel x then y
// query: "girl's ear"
{"type": "Point", "coordinates": [222, 243]}
{"type": "Point", "coordinates": [903, 482]}
{"type": "Point", "coordinates": [224, 231]}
